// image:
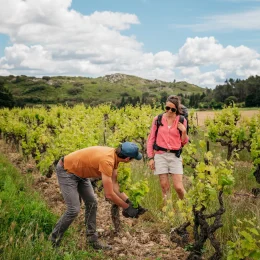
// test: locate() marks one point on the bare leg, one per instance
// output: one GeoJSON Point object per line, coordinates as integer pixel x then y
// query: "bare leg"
{"type": "Point", "coordinates": [178, 185]}
{"type": "Point", "coordinates": [165, 185]}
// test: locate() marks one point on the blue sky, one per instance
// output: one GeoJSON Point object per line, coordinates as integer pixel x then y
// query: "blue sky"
{"type": "Point", "coordinates": [160, 20]}
{"type": "Point", "coordinates": [202, 42]}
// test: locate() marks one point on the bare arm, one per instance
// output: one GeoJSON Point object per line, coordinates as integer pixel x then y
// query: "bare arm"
{"type": "Point", "coordinates": [184, 136]}
{"type": "Point", "coordinates": [116, 187]}
{"type": "Point", "coordinates": [151, 139]}
{"type": "Point", "coordinates": [111, 193]}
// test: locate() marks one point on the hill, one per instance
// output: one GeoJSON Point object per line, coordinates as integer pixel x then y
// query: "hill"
{"type": "Point", "coordinates": [115, 88]}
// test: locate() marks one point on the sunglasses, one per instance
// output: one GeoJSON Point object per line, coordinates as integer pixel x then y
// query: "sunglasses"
{"type": "Point", "coordinates": [171, 108]}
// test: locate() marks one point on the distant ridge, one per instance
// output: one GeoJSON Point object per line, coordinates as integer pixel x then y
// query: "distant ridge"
{"type": "Point", "coordinates": [92, 91]}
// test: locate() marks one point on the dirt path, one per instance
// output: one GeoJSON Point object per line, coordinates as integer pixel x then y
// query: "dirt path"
{"type": "Point", "coordinates": [138, 239]}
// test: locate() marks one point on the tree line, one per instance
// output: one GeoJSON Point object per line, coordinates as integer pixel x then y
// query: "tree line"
{"type": "Point", "coordinates": [245, 93]}
{"type": "Point", "coordinates": [6, 97]}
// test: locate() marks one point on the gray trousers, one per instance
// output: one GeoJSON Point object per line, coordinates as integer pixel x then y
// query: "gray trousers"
{"type": "Point", "coordinates": [72, 187]}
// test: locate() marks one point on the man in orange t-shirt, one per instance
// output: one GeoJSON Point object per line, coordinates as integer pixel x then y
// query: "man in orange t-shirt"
{"type": "Point", "coordinates": [73, 172]}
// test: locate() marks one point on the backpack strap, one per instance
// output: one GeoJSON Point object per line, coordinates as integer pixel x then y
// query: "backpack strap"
{"type": "Point", "coordinates": [181, 120]}
{"type": "Point", "coordinates": [158, 123]}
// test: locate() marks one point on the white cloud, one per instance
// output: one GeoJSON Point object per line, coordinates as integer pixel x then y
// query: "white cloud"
{"type": "Point", "coordinates": [165, 59]}
{"type": "Point", "coordinates": [209, 79]}
{"type": "Point", "coordinates": [4, 72]}
{"type": "Point", "coordinates": [61, 41]}
{"type": "Point", "coordinates": [206, 51]}
{"type": "Point", "coordinates": [190, 72]}
{"type": "Point", "coordinates": [248, 20]}
{"type": "Point", "coordinates": [252, 69]}
{"type": "Point", "coordinates": [118, 21]}
{"type": "Point", "coordinates": [65, 37]}
{"type": "Point", "coordinates": [198, 51]}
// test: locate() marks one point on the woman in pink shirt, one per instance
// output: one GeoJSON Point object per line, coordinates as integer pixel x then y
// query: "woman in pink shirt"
{"type": "Point", "coordinates": [164, 149]}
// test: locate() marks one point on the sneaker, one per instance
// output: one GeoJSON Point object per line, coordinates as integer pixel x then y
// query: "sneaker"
{"type": "Point", "coordinates": [99, 246]}
{"type": "Point", "coordinates": [54, 242]}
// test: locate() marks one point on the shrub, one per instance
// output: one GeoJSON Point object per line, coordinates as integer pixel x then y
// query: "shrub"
{"type": "Point", "coordinates": [47, 78]}
{"type": "Point", "coordinates": [57, 85]}
{"type": "Point", "coordinates": [75, 91]}
{"type": "Point", "coordinates": [35, 88]}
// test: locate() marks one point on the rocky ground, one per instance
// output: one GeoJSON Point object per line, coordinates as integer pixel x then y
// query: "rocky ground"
{"type": "Point", "coordinates": [138, 239]}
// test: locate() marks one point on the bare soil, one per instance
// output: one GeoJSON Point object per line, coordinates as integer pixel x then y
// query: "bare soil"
{"type": "Point", "coordinates": [201, 116]}
{"type": "Point", "coordinates": [138, 239]}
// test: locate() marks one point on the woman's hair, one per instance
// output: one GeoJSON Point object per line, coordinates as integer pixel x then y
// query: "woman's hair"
{"type": "Point", "coordinates": [176, 101]}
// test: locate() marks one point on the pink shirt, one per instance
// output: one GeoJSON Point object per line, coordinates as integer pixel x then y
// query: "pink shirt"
{"type": "Point", "coordinates": [167, 137]}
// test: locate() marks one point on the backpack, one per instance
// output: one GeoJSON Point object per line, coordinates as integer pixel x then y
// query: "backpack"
{"type": "Point", "coordinates": [158, 122]}
{"type": "Point", "coordinates": [185, 113]}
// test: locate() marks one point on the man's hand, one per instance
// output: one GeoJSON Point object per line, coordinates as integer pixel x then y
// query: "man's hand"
{"type": "Point", "coordinates": [130, 212]}
{"type": "Point", "coordinates": [140, 209]}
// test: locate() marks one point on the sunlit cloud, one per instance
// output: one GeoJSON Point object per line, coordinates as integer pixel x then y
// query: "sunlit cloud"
{"type": "Point", "coordinates": [62, 41]}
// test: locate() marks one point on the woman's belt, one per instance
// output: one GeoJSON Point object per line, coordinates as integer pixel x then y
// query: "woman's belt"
{"type": "Point", "coordinates": [159, 148]}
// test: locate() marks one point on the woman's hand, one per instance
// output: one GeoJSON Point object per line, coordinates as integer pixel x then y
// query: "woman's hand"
{"type": "Point", "coordinates": [151, 164]}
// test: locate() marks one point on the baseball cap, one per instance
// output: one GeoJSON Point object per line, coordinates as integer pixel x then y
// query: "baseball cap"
{"type": "Point", "coordinates": [130, 149]}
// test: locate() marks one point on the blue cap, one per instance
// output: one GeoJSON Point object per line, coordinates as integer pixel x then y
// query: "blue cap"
{"type": "Point", "coordinates": [130, 149]}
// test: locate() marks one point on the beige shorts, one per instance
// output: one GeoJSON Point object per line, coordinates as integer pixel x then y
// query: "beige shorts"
{"type": "Point", "coordinates": [168, 163]}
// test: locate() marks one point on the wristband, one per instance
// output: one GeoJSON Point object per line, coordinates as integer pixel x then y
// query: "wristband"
{"type": "Point", "coordinates": [150, 158]}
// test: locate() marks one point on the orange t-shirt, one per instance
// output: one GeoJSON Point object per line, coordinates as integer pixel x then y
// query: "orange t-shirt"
{"type": "Point", "coordinates": [91, 162]}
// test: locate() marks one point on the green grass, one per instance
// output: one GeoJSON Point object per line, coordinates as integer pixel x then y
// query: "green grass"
{"type": "Point", "coordinates": [26, 222]}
